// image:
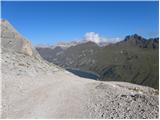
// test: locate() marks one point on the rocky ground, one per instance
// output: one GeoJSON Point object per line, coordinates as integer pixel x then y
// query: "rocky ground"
{"type": "Point", "coordinates": [31, 89]}
{"type": "Point", "coordinates": [34, 88]}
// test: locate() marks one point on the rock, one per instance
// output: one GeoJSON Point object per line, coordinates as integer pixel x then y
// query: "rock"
{"type": "Point", "coordinates": [12, 40]}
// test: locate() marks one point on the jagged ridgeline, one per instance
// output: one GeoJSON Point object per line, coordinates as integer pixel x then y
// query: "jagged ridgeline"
{"type": "Point", "coordinates": [134, 60]}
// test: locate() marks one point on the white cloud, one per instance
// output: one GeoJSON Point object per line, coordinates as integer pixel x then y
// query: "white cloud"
{"type": "Point", "coordinates": [95, 37]}
{"type": "Point", "coordinates": [92, 36]}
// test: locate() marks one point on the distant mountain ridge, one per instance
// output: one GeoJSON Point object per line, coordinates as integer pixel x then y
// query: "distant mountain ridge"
{"type": "Point", "coordinates": [65, 45]}
{"type": "Point", "coordinates": [130, 59]}
{"type": "Point", "coordinates": [136, 40]}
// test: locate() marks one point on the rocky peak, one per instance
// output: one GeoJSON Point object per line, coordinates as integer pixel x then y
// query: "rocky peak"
{"type": "Point", "coordinates": [11, 40]}
{"type": "Point", "coordinates": [134, 40]}
{"type": "Point", "coordinates": [134, 37]}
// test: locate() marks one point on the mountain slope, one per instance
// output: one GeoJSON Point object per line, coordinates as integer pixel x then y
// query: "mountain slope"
{"type": "Point", "coordinates": [77, 56]}
{"type": "Point", "coordinates": [132, 64]}
{"type": "Point", "coordinates": [34, 88]}
{"type": "Point", "coordinates": [135, 60]}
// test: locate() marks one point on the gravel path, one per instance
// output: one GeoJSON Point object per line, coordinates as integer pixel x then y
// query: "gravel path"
{"type": "Point", "coordinates": [59, 94]}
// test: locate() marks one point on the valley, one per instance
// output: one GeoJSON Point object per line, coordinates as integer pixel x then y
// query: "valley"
{"type": "Point", "coordinates": [134, 59]}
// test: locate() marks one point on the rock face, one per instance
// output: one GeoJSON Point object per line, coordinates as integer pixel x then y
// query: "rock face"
{"type": "Point", "coordinates": [13, 41]}
{"type": "Point", "coordinates": [34, 88]}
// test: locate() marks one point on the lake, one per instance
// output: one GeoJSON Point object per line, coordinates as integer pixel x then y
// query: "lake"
{"type": "Point", "coordinates": [85, 74]}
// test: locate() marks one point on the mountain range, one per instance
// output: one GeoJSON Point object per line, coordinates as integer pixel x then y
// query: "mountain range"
{"type": "Point", "coordinates": [134, 59]}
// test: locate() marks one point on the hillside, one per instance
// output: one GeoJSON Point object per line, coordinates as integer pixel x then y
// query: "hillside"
{"type": "Point", "coordinates": [35, 88]}
{"type": "Point", "coordinates": [134, 60]}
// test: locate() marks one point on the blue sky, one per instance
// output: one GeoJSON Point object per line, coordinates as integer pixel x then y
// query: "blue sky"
{"type": "Point", "coordinates": [51, 22]}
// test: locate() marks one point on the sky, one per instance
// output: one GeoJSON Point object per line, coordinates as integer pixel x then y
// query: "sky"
{"type": "Point", "coordinates": [52, 22]}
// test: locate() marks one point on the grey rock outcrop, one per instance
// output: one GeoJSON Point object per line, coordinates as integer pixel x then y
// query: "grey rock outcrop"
{"type": "Point", "coordinates": [13, 41]}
